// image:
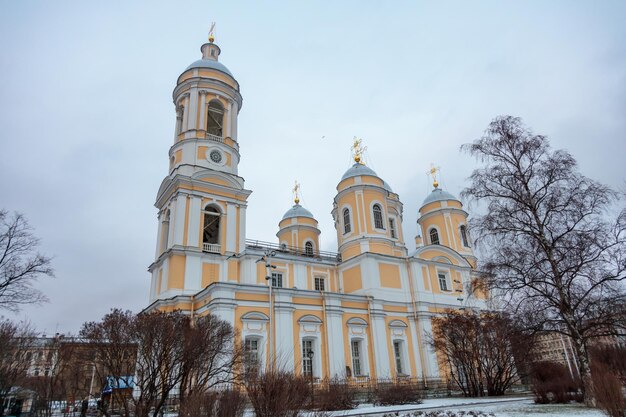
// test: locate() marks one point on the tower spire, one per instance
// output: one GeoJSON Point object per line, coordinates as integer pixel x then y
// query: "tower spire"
{"type": "Point", "coordinates": [212, 33]}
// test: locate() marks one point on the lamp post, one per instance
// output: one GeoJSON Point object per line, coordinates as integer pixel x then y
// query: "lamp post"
{"type": "Point", "coordinates": [268, 271]}
{"type": "Point", "coordinates": [309, 354]}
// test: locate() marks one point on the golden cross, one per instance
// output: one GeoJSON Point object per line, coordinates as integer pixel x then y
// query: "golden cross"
{"type": "Point", "coordinates": [296, 190]}
{"type": "Point", "coordinates": [357, 150]}
{"type": "Point", "coordinates": [433, 173]}
{"type": "Point", "coordinates": [212, 32]}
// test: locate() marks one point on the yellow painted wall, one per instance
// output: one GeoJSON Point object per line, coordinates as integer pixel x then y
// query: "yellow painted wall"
{"type": "Point", "coordinates": [352, 279]}
{"type": "Point", "coordinates": [389, 275]}
{"type": "Point", "coordinates": [202, 152]}
{"type": "Point", "coordinates": [233, 270]}
{"type": "Point", "coordinates": [176, 273]}
{"type": "Point", "coordinates": [210, 273]}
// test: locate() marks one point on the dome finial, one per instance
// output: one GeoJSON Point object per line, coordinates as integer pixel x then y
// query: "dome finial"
{"type": "Point", "coordinates": [433, 173]}
{"type": "Point", "coordinates": [296, 190]}
{"type": "Point", "coordinates": [357, 150]}
{"type": "Point", "coordinates": [212, 33]}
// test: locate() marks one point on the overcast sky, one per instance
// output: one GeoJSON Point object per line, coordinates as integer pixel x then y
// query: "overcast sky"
{"type": "Point", "coordinates": [87, 118]}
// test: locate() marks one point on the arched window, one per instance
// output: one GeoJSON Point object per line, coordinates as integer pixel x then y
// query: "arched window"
{"type": "Point", "coordinates": [215, 119]}
{"type": "Point", "coordinates": [347, 228]}
{"type": "Point", "coordinates": [211, 229]}
{"type": "Point", "coordinates": [464, 238]}
{"type": "Point", "coordinates": [308, 249]}
{"type": "Point", "coordinates": [378, 217]}
{"type": "Point", "coordinates": [434, 236]}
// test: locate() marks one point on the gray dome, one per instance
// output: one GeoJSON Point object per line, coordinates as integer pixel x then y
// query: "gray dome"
{"type": "Point", "coordinates": [438, 195]}
{"type": "Point", "coordinates": [387, 186]}
{"type": "Point", "coordinates": [298, 211]}
{"type": "Point", "coordinates": [210, 64]}
{"type": "Point", "coordinates": [358, 169]}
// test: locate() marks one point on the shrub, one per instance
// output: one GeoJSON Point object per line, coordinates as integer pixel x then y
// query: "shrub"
{"type": "Point", "coordinates": [228, 403]}
{"type": "Point", "coordinates": [608, 390]}
{"type": "Point", "coordinates": [336, 394]}
{"type": "Point", "coordinates": [552, 383]}
{"type": "Point", "coordinates": [397, 393]}
{"type": "Point", "coordinates": [277, 393]}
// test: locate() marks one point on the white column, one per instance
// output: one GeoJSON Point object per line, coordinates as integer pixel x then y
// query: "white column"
{"type": "Point", "coordinates": [381, 353]}
{"type": "Point", "coordinates": [283, 317]}
{"type": "Point", "coordinates": [229, 127]}
{"type": "Point", "coordinates": [242, 228]}
{"type": "Point", "coordinates": [233, 120]}
{"type": "Point", "coordinates": [193, 272]}
{"type": "Point", "coordinates": [432, 369]}
{"type": "Point", "coordinates": [416, 350]}
{"type": "Point", "coordinates": [159, 234]}
{"type": "Point", "coordinates": [231, 228]}
{"type": "Point", "coordinates": [178, 223]}
{"type": "Point", "coordinates": [203, 109]}
{"type": "Point", "coordinates": [195, 218]}
{"type": "Point", "coordinates": [185, 111]}
{"type": "Point", "coordinates": [334, 336]}
{"type": "Point", "coordinates": [193, 109]}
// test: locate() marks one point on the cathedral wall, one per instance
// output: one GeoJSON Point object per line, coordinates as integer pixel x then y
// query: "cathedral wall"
{"type": "Point", "coordinates": [352, 279]}
{"type": "Point", "coordinates": [389, 275]}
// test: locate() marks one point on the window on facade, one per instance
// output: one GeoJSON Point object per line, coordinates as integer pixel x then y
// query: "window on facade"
{"type": "Point", "coordinates": [211, 229]}
{"type": "Point", "coordinates": [443, 282]}
{"type": "Point", "coordinates": [434, 237]}
{"type": "Point", "coordinates": [215, 119]}
{"type": "Point", "coordinates": [392, 228]}
{"type": "Point", "coordinates": [356, 357]}
{"type": "Point", "coordinates": [251, 354]}
{"type": "Point", "coordinates": [179, 119]}
{"type": "Point", "coordinates": [397, 352]}
{"type": "Point", "coordinates": [307, 357]}
{"type": "Point", "coordinates": [464, 238]}
{"type": "Point", "coordinates": [36, 373]}
{"type": "Point", "coordinates": [347, 227]}
{"type": "Point", "coordinates": [378, 217]}
{"type": "Point", "coordinates": [319, 284]}
{"type": "Point", "coordinates": [277, 279]}
{"type": "Point", "coordinates": [46, 372]}
{"type": "Point", "coordinates": [308, 249]}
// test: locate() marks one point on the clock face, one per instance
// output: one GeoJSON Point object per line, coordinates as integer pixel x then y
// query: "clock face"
{"type": "Point", "coordinates": [215, 156]}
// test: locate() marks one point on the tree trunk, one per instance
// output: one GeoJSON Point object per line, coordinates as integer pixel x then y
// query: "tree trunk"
{"type": "Point", "coordinates": [582, 357]}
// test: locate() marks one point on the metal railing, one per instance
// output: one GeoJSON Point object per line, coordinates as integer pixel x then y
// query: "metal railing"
{"type": "Point", "coordinates": [211, 248]}
{"type": "Point", "coordinates": [294, 250]}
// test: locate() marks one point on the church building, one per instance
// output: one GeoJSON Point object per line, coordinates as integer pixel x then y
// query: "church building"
{"type": "Point", "coordinates": [365, 311]}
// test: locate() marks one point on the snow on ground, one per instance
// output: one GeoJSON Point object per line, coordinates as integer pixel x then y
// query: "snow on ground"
{"type": "Point", "coordinates": [530, 409]}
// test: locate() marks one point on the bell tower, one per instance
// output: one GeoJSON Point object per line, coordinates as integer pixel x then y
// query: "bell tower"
{"type": "Point", "coordinates": [202, 201]}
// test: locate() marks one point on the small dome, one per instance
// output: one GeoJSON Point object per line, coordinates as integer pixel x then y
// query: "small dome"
{"type": "Point", "coordinates": [298, 211]}
{"type": "Point", "coordinates": [210, 64]}
{"type": "Point", "coordinates": [357, 170]}
{"type": "Point", "coordinates": [438, 195]}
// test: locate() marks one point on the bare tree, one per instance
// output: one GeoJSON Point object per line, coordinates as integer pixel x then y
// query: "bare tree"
{"type": "Point", "coordinates": [20, 263]}
{"type": "Point", "coordinates": [168, 352]}
{"type": "Point", "coordinates": [15, 342]}
{"type": "Point", "coordinates": [211, 356]}
{"type": "Point", "coordinates": [482, 352]}
{"type": "Point", "coordinates": [552, 254]}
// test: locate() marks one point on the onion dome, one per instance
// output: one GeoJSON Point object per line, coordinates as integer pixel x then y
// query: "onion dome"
{"type": "Point", "coordinates": [297, 211]}
{"type": "Point", "coordinates": [438, 195]}
{"type": "Point", "coordinates": [210, 54]}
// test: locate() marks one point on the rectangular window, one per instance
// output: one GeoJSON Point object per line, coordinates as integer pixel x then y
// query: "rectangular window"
{"type": "Point", "coordinates": [277, 279]}
{"type": "Point", "coordinates": [397, 353]}
{"type": "Point", "coordinates": [251, 354]}
{"type": "Point", "coordinates": [356, 357]}
{"type": "Point", "coordinates": [392, 228]}
{"type": "Point", "coordinates": [307, 357]}
{"type": "Point", "coordinates": [443, 282]}
{"type": "Point", "coordinates": [319, 284]}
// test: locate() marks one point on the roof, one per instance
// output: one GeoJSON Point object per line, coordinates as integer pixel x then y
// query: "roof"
{"type": "Point", "coordinates": [357, 170]}
{"type": "Point", "coordinates": [298, 211]}
{"type": "Point", "coordinates": [361, 169]}
{"type": "Point", "coordinates": [211, 64]}
{"type": "Point", "coordinates": [438, 195]}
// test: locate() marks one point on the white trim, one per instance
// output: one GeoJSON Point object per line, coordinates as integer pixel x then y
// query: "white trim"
{"type": "Point", "coordinates": [342, 229]}
{"type": "Point", "coordinates": [383, 213]}
{"type": "Point", "coordinates": [431, 227]}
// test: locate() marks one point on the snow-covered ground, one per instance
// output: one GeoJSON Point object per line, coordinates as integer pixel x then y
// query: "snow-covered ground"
{"type": "Point", "coordinates": [500, 407]}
